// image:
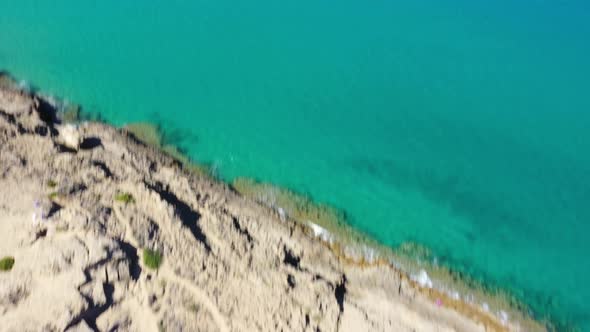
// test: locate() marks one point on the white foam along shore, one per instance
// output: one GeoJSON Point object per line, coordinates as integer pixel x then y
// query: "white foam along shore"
{"type": "Point", "coordinates": [129, 239]}
{"type": "Point", "coordinates": [366, 253]}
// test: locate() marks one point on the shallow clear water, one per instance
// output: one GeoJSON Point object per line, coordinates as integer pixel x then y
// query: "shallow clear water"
{"type": "Point", "coordinates": [460, 125]}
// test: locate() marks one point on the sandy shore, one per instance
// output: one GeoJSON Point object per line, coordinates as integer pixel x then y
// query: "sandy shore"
{"type": "Point", "coordinates": [79, 204]}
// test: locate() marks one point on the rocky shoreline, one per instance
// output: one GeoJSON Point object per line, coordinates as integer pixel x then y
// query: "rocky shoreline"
{"type": "Point", "coordinates": [110, 234]}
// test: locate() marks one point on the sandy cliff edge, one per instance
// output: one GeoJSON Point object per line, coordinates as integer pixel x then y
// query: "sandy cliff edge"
{"type": "Point", "coordinates": [228, 264]}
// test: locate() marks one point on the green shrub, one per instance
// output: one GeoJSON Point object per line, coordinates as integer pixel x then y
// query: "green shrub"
{"type": "Point", "coordinates": [53, 195]}
{"type": "Point", "coordinates": [124, 198]}
{"type": "Point", "coordinates": [161, 327]}
{"type": "Point", "coordinates": [6, 263]}
{"type": "Point", "coordinates": [152, 259]}
{"type": "Point", "coordinates": [51, 184]}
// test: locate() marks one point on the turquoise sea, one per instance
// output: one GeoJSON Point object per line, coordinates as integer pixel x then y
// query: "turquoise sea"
{"type": "Point", "coordinates": [460, 125]}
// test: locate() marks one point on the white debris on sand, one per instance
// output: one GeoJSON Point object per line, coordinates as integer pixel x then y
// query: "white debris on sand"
{"type": "Point", "coordinates": [70, 136]}
{"type": "Point", "coordinates": [282, 214]}
{"type": "Point", "coordinates": [503, 317]}
{"type": "Point", "coordinates": [422, 279]}
{"type": "Point", "coordinates": [320, 232]}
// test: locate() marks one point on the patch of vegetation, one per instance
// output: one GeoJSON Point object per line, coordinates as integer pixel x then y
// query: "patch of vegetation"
{"type": "Point", "coordinates": [202, 170]}
{"type": "Point", "coordinates": [192, 307]}
{"type": "Point", "coordinates": [51, 184]}
{"type": "Point", "coordinates": [146, 132]}
{"type": "Point", "coordinates": [415, 251]}
{"type": "Point", "coordinates": [151, 135]}
{"type": "Point", "coordinates": [53, 195]}
{"type": "Point", "coordinates": [71, 113]}
{"type": "Point", "coordinates": [152, 258]}
{"type": "Point", "coordinates": [124, 198]}
{"type": "Point", "coordinates": [7, 81]}
{"type": "Point", "coordinates": [299, 207]}
{"type": "Point", "coordinates": [61, 228]}
{"type": "Point", "coordinates": [199, 169]}
{"type": "Point", "coordinates": [6, 263]}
